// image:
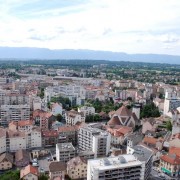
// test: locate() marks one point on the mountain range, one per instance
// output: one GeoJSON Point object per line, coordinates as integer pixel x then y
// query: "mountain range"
{"type": "Point", "coordinates": [43, 53]}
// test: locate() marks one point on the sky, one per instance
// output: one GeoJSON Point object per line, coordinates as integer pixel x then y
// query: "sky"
{"type": "Point", "coordinates": [131, 26]}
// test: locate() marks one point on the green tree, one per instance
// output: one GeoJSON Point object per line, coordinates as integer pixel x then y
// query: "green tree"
{"type": "Point", "coordinates": [10, 175]}
{"type": "Point", "coordinates": [150, 110]}
{"type": "Point", "coordinates": [168, 125]}
{"type": "Point", "coordinates": [59, 117]}
{"type": "Point", "coordinates": [43, 177]}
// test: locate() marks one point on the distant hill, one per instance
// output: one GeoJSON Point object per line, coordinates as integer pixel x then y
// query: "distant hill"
{"type": "Point", "coordinates": [43, 53]}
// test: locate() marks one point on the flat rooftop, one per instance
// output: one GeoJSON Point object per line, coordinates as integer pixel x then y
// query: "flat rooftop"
{"type": "Point", "coordinates": [122, 161]}
{"type": "Point", "coordinates": [142, 153]}
{"type": "Point", "coordinates": [65, 147]}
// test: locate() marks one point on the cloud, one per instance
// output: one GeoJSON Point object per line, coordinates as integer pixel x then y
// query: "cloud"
{"type": "Point", "coordinates": [117, 25]}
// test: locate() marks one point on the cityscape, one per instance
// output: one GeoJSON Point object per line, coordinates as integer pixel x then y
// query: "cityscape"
{"type": "Point", "coordinates": [89, 90]}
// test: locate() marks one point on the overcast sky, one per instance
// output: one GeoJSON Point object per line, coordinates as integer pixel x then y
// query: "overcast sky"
{"type": "Point", "coordinates": [132, 26]}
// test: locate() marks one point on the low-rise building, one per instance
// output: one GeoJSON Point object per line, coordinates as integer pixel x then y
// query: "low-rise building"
{"type": "Point", "coordinates": [56, 109]}
{"type": "Point", "coordinates": [29, 173]}
{"type": "Point", "coordinates": [6, 161]}
{"type": "Point", "coordinates": [65, 152]}
{"type": "Point", "coordinates": [119, 134]}
{"type": "Point", "coordinates": [170, 164]}
{"type": "Point", "coordinates": [57, 169]}
{"type": "Point", "coordinates": [87, 110]}
{"type": "Point", "coordinates": [77, 168]}
{"type": "Point", "coordinates": [72, 117]}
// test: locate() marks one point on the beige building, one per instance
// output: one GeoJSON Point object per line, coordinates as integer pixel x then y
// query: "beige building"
{"type": "Point", "coordinates": [77, 168]}
{"type": "Point", "coordinates": [170, 164]}
{"type": "Point", "coordinates": [25, 126]}
{"type": "Point", "coordinates": [2, 140]}
{"type": "Point", "coordinates": [72, 117]}
{"type": "Point", "coordinates": [15, 140]}
{"type": "Point", "coordinates": [57, 169]}
{"type": "Point", "coordinates": [6, 161]}
{"type": "Point", "coordinates": [29, 173]}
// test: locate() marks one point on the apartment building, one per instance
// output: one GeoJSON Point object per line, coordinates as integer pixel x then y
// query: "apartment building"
{"type": "Point", "coordinates": [42, 119]}
{"type": "Point", "coordinates": [67, 134]}
{"type": "Point", "coordinates": [171, 102]}
{"type": "Point", "coordinates": [74, 92]}
{"type": "Point", "coordinates": [94, 139]}
{"type": "Point", "coordinates": [65, 152]}
{"type": "Point", "coordinates": [2, 140]}
{"type": "Point", "coordinates": [115, 168]}
{"type": "Point", "coordinates": [86, 110]}
{"type": "Point", "coordinates": [72, 117]}
{"type": "Point", "coordinates": [16, 98]}
{"type": "Point", "coordinates": [77, 168]}
{"type": "Point", "coordinates": [14, 113]}
{"type": "Point", "coordinates": [25, 126]}
{"type": "Point", "coordinates": [49, 138]}
{"type": "Point", "coordinates": [143, 154]}
{"type": "Point", "coordinates": [15, 140]}
{"type": "Point", "coordinates": [34, 138]}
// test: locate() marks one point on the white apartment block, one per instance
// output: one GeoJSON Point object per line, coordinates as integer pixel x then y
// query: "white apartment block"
{"type": "Point", "coordinates": [115, 168]}
{"type": "Point", "coordinates": [65, 152]}
{"type": "Point", "coordinates": [95, 140]}
{"type": "Point", "coordinates": [72, 117]}
{"type": "Point", "coordinates": [15, 140]}
{"type": "Point", "coordinates": [143, 154]}
{"type": "Point", "coordinates": [34, 138]}
{"type": "Point", "coordinates": [14, 113]}
{"type": "Point", "coordinates": [2, 140]}
{"type": "Point", "coordinates": [75, 93]}
{"type": "Point", "coordinates": [87, 110]}
{"type": "Point", "coordinates": [171, 102]}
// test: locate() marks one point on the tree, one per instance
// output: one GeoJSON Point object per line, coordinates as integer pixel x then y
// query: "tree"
{"type": "Point", "coordinates": [10, 175]}
{"type": "Point", "coordinates": [43, 177]}
{"type": "Point", "coordinates": [150, 110]}
{"type": "Point", "coordinates": [168, 125]}
{"type": "Point", "coordinates": [59, 117]}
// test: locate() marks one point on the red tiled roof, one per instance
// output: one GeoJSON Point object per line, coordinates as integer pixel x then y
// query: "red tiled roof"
{"type": "Point", "coordinates": [171, 158]}
{"type": "Point", "coordinates": [150, 140]}
{"type": "Point", "coordinates": [51, 133]}
{"type": "Point", "coordinates": [28, 169]}
{"type": "Point", "coordinates": [174, 150]}
{"type": "Point", "coordinates": [114, 121]}
{"type": "Point", "coordinates": [123, 111]}
{"type": "Point", "coordinates": [25, 123]}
